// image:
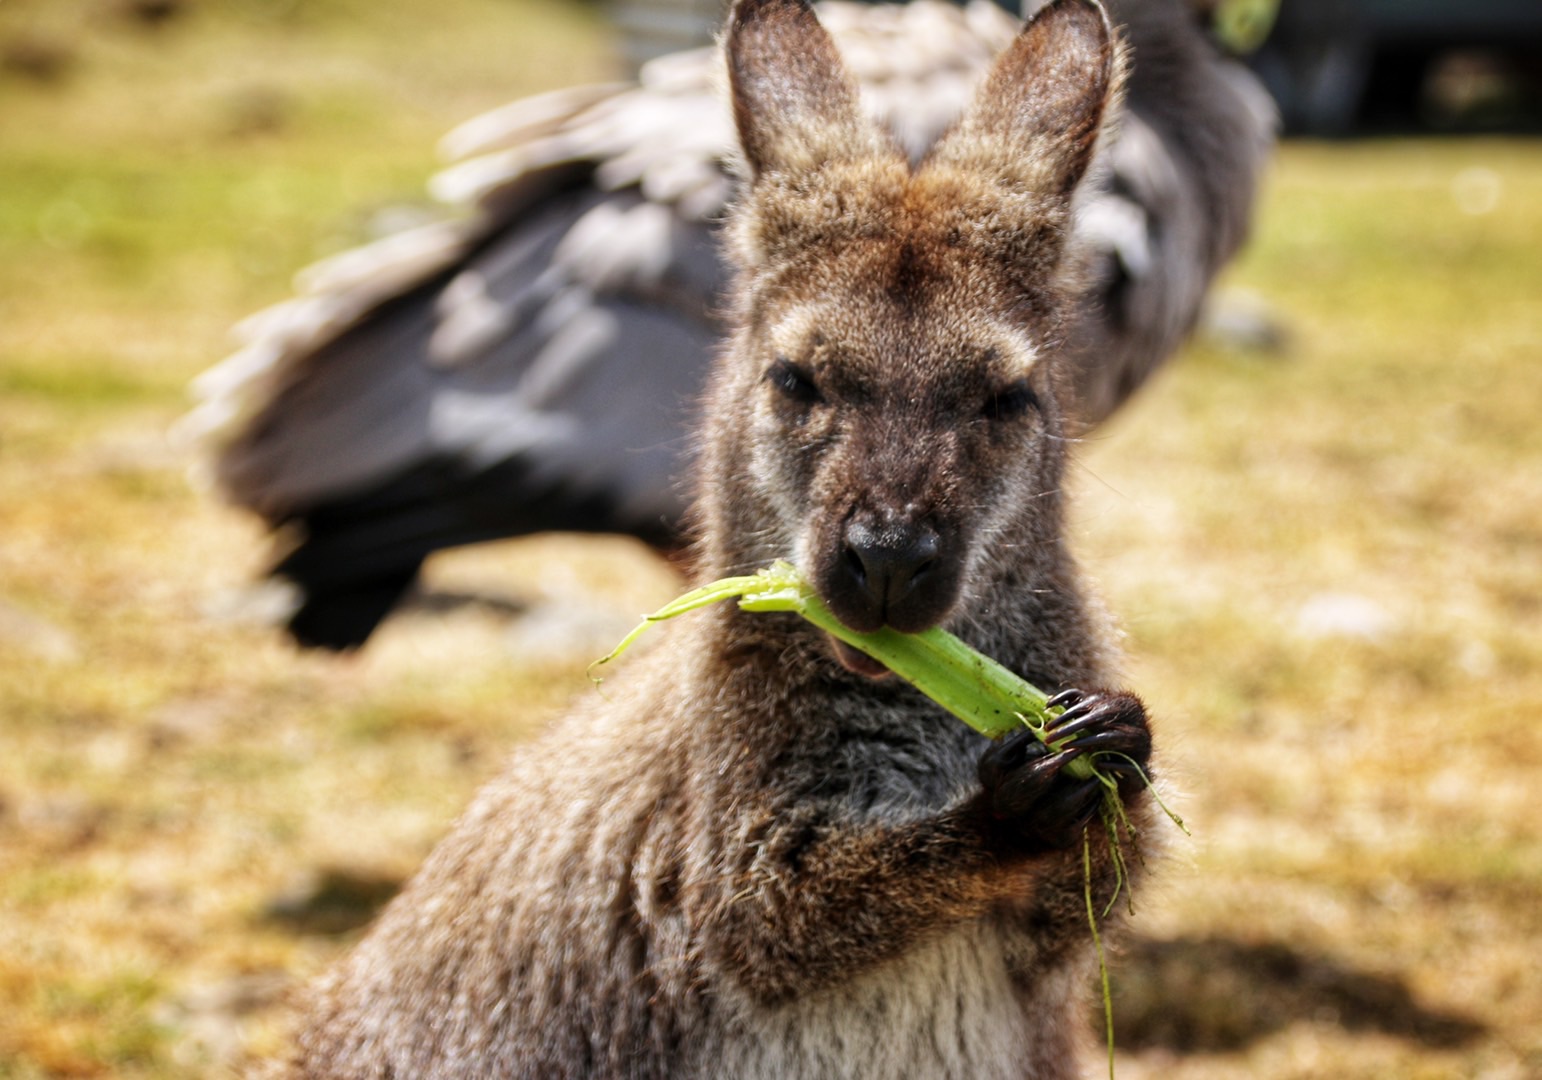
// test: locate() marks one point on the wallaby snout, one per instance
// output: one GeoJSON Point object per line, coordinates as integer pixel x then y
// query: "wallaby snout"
{"type": "Point", "coordinates": [885, 507]}
{"type": "Point", "coordinates": [893, 573]}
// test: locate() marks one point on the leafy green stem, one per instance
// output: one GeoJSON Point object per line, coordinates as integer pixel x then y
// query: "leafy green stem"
{"type": "Point", "coordinates": [973, 687]}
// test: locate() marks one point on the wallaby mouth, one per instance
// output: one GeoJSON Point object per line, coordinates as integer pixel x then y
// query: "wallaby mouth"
{"type": "Point", "coordinates": [857, 661]}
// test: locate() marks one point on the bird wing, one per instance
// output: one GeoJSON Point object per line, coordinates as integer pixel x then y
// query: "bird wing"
{"type": "Point", "coordinates": [531, 363]}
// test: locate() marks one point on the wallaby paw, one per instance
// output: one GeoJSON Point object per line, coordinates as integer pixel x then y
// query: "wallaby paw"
{"type": "Point", "coordinates": [1031, 802]}
{"type": "Point", "coordinates": [1107, 722]}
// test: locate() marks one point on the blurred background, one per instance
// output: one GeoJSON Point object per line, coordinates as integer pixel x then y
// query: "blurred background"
{"type": "Point", "coordinates": [1321, 528]}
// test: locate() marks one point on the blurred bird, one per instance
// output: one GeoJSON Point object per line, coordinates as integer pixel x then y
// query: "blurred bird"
{"type": "Point", "coordinates": [531, 365]}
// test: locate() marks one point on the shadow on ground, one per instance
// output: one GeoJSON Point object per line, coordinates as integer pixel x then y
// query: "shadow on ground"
{"type": "Point", "coordinates": [1215, 995]}
{"type": "Point", "coordinates": [331, 901]}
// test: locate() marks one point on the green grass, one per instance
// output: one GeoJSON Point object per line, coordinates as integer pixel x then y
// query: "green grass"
{"type": "Point", "coordinates": [1372, 788]}
{"type": "Point", "coordinates": [1359, 898]}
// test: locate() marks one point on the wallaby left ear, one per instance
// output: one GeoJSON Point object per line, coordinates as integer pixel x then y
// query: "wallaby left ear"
{"type": "Point", "coordinates": [1035, 120]}
{"type": "Point", "coordinates": [794, 103]}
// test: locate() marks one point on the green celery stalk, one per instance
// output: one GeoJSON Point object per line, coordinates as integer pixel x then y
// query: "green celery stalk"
{"type": "Point", "coordinates": [966, 683]}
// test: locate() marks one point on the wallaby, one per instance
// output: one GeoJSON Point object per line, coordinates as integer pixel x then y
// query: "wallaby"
{"type": "Point", "coordinates": [753, 855]}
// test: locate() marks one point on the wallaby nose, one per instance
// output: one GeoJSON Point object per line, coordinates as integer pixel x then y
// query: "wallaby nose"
{"type": "Point", "coordinates": [887, 565]}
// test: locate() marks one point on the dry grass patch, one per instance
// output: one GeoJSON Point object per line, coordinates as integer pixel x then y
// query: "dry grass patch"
{"type": "Point", "coordinates": [1330, 566]}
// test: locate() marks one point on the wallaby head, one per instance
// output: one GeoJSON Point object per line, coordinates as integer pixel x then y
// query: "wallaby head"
{"type": "Point", "coordinates": [888, 413]}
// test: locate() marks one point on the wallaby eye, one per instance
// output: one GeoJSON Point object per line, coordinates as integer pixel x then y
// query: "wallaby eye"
{"type": "Point", "coordinates": [794, 383]}
{"type": "Point", "coordinates": [1010, 401]}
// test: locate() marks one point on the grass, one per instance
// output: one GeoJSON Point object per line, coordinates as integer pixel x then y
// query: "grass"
{"type": "Point", "coordinates": [1329, 564]}
{"type": "Point", "coordinates": [1360, 783]}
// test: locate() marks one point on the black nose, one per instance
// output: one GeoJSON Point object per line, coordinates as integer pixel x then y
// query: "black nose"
{"type": "Point", "coordinates": [887, 565]}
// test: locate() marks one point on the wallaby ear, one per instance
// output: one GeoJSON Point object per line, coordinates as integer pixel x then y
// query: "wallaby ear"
{"type": "Point", "coordinates": [793, 101]}
{"type": "Point", "coordinates": [1035, 120]}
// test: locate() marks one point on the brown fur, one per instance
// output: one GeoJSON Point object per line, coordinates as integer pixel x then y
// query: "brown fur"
{"type": "Point", "coordinates": [745, 859]}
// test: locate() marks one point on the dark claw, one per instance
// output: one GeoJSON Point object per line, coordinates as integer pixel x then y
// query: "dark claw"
{"type": "Point", "coordinates": [1075, 720]}
{"type": "Point", "coordinates": [1105, 721]}
{"type": "Point", "coordinates": [1120, 766]}
{"type": "Point", "coordinates": [1065, 699]}
{"type": "Point", "coordinates": [1107, 739]}
{"type": "Point", "coordinates": [1011, 753]}
{"type": "Point", "coordinates": [1024, 790]}
{"type": "Point", "coordinates": [1032, 804]}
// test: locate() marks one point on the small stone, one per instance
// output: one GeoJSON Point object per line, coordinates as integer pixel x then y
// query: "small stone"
{"type": "Point", "coordinates": [1344, 615]}
{"type": "Point", "coordinates": [36, 636]}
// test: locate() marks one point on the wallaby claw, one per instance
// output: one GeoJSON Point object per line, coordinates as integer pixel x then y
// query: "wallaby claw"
{"type": "Point", "coordinates": [1122, 768]}
{"type": "Point", "coordinates": [1078, 718]}
{"type": "Point", "coordinates": [1032, 803]}
{"type": "Point", "coordinates": [1107, 721]}
{"type": "Point", "coordinates": [1065, 699]}
{"type": "Point", "coordinates": [1024, 787]}
{"type": "Point", "coordinates": [1012, 752]}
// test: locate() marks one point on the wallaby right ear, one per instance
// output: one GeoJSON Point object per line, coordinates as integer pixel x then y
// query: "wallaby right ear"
{"type": "Point", "coordinates": [1036, 118]}
{"type": "Point", "coordinates": [794, 103]}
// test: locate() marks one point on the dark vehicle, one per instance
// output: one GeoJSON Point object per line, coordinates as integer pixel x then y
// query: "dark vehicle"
{"type": "Point", "coordinates": [1340, 65]}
